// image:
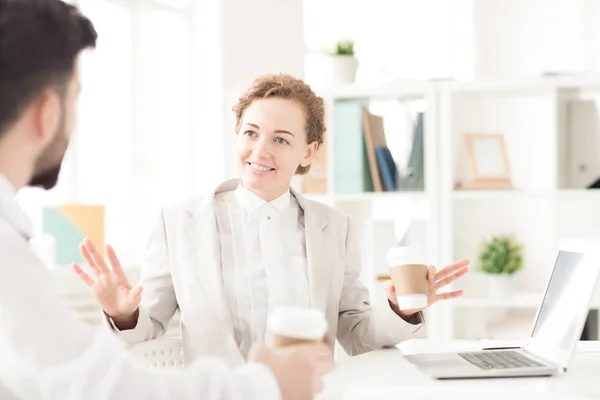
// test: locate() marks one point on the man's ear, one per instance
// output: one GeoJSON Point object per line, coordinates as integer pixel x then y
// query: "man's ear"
{"type": "Point", "coordinates": [311, 151]}
{"type": "Point", "coordinates": [47, 112]}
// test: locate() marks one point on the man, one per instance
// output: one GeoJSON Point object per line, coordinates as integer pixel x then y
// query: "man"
{"type": "Point", "coordinates": [45, 350]}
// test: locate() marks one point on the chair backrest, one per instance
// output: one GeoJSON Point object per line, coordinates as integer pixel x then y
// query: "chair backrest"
{"type": "Point", "coordinates": [159, 353]}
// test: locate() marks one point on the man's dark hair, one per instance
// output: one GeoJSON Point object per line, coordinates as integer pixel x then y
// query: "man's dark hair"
{"type": "Point", "coordinates": [39, 43]}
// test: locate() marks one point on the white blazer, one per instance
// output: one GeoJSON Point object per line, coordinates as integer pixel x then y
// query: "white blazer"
{"type": "Point", "coordinates": [183, 271]}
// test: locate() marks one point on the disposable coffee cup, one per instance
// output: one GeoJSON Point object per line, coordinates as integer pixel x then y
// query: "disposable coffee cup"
{"type": "Point", "coordinates": [409, 277]}
{"type": "Point", "coordinates": [294, 325]}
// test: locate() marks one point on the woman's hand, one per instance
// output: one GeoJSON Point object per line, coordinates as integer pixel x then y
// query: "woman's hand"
{"type": "Point", "coordinates": [110, 286]}
{"type": "Point", "coordinates": [437, 280]}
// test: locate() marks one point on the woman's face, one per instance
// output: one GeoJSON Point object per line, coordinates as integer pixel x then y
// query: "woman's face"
{"type": "Point", "coordinates": [271, 144]}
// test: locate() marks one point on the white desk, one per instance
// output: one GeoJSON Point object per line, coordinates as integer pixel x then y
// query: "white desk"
{"type": "Point", "coordinates": [385, 374]}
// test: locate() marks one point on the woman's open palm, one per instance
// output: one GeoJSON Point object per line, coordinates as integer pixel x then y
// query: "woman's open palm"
{"type": "Point", "coordinates": [110, 286]}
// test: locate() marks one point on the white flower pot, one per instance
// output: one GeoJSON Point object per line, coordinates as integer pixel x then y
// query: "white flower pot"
{"type": "Point", "coordinates": [343, 69]}
{"type": "Point", "coordinates": [501, 286]}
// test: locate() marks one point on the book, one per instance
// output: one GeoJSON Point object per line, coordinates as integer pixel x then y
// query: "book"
{"type": "Point", "coordinates": [351, 165]}
{"type": "Point", "coordinates": [387, 168]}
{"type": "Point", "coordinates": [374, 138]}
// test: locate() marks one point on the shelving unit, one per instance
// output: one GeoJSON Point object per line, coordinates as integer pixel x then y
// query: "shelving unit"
{"type": "Point", "coordinates": [386, 206]}
{"type": "Point", "coordinates": [534, 117]}
{"type": "Point", "coordinates": [533, 114]}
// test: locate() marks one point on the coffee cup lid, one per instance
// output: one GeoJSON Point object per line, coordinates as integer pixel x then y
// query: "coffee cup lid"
{"type": "Point", "coordinates": [397, 252]}
{"type": "Point", "coordinates": [298, 322]}
{"type": "Point", "coordinates": [403, 255]}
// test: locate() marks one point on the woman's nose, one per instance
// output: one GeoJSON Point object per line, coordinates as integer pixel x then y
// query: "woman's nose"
{"type": "Point", "coordinates": [261, 148]}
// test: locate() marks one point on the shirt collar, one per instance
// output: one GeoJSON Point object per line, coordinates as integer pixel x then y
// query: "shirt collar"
{"type": "Point", "coordinates": [253, 203]}
{"type": "Point", "coordinates": [11, 211]}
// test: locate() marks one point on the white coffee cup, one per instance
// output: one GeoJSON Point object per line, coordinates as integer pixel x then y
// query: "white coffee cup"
{"type": "Point", "coordinates": [296, 325]}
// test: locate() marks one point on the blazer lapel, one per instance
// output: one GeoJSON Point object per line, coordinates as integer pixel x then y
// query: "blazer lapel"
{"type": "Point", "coordinates": [203, 250]}
{"type": "Point", "coordinates": [318, 252]}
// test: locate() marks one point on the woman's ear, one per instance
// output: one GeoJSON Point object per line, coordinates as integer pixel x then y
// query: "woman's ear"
{"type": "Point", "coordinates": [311, 151]}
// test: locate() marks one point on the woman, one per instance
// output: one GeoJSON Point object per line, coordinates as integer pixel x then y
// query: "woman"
{"type": "Point", "coordinates": [227, 261]}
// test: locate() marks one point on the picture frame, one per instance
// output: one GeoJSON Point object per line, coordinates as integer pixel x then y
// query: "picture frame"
{"type": "Point", "coordinates": [488, 162]}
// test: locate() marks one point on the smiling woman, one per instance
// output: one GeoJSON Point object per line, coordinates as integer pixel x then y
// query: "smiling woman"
{"type": "Point", "coordinates": [272, 147]}
{"type": "Point", "coordinates": [279, 123]}
{"type": "Point", "coordinates": [255, 244]}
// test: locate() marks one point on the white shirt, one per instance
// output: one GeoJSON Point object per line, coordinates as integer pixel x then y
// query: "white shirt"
{"type": "Point", "coordinates": [47, 352]}
{"type": "Point", "coordinates": [263, 259]}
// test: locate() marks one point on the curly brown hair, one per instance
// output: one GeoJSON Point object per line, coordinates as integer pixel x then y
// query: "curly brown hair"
{"type": "Point", "coordinates": [287, 87]}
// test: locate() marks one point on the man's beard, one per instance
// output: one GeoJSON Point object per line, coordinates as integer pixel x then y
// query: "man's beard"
{"type": "Point", "coordinates": [46, 180]}
{"type": "Point", "coordinates": [47, 168]}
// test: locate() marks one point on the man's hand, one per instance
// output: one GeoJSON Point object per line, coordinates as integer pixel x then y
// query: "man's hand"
{"type": "Point", "coordinates": [297, 369]}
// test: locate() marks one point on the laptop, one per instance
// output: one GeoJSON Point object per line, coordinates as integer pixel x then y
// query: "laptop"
{"type": "Point", "coordinates": [558, 325]}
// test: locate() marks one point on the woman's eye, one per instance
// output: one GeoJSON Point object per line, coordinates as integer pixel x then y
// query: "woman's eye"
{"type": "Point", "coordinates": [282, 141]}
{"type": "Point", "coordinates": [250, 133]}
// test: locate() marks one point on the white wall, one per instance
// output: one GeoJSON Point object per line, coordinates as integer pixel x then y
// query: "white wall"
{"type": "Point", "coordinates": [241, 40]}
{"type": "Point", "coordinates": [461, 39]}
{"type": "Point", "coordinates": [526, 38]}
{"type": "Point", "coordinates": [592, 34]}
{"type": "Point", "coordinates": [393, 38]}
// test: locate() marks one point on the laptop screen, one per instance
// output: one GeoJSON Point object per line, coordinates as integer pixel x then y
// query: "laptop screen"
{"type": "Point", "coordinates": [565, 306]}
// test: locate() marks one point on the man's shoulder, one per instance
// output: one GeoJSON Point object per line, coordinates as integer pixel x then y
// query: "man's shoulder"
{"type": "Point", "coordinates": [19, 264]}
{"type": "Point", "coordinates": [5, 394]}
{"type": "Point", "coordinates": [10, 239]}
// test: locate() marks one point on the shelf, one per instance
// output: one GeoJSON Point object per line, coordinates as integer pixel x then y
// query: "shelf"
{"type": "Point", "coordinates": [526, 194]}
{"type": "Point", "coordinates": [498, 194]}
{"type": "Point", "coordinates": [578, 193]}
{"type": "Point", "coordinates": [531, 86]}
{"type": "Point", "coordinates": [368, 196]}
{"type": "Point", "coordinates": [395, 90]}
{"type": "Point", "coordinates": [526, 301]}
{"type": "Point", "coordinates": [519, 300]}
{"type": "Point", "coordinates": [419, 89]}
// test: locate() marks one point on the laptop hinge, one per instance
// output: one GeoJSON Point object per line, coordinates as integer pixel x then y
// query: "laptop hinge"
{"type": "Point", "coordinates": [547, 361]}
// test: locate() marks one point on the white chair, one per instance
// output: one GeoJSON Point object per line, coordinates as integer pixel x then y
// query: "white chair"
{"type": "Point", "coordinates": [159, 353]}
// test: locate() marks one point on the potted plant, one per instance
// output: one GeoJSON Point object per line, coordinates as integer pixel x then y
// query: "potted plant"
{"type": "Point", "coordinates": [501, 258]}
{"type": "Point", "coordinates": [344, 63]}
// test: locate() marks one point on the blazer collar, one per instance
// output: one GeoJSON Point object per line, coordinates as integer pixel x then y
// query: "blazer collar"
{"type": "Point", "coordinates": [314, 210]}
{"type": "Point", "coordinates": [253, 203]}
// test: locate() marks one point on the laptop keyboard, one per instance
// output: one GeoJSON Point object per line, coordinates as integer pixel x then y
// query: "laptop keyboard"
{"type": "Point", "coordinates": [499, 360]}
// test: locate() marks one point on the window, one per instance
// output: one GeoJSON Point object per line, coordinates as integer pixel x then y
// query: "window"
{"type": "Point", "coordinates": [132, 148]}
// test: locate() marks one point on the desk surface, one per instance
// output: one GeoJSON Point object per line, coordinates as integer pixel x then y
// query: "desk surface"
{"type": "Point", "coordinates": [385, 374]}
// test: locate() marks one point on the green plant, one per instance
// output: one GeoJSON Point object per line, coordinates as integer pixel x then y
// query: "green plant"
{"type": "Point", "coordinates": [501, 255]}
{"type": "Point", "coordinates": [344, 48]}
